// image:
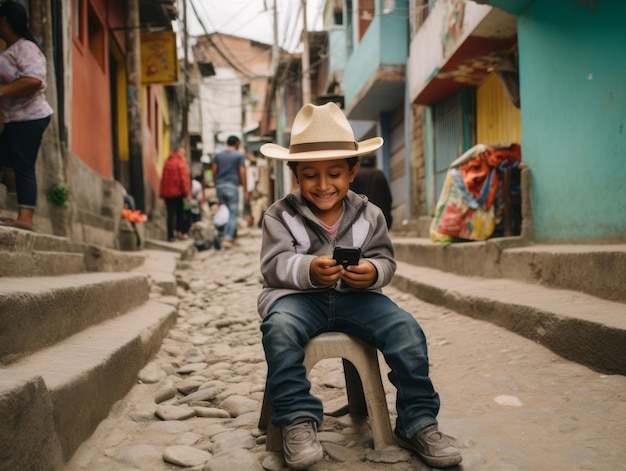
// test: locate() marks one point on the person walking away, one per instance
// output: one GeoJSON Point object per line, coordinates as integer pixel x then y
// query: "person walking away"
{"type": "Point", "coordinates": [24, 108]}
{"type": "Point", "coordinates": [229, 172]}
{"type": "Point", "coordinates": [372, 182]}
{"type": "Point", "coordinates": [306, 292]}
{"type": "Point", "coordinates": [174, 190]}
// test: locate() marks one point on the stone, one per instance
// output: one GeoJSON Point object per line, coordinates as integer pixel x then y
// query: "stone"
{"type": "Point", "coordinates": [187, 386]}
{"type": "Point", "coordinates": [207, 394]}
{"type": "Point", "coordinates": [140, 456]}
{"type": "Point", "coordinates": [233, 460]}
{"type": "Point", "coordinates": [174, 412]}
{"type": "Point", "coordinates": [186, 456]}
{"type": "Point", "coordinates": [389, 455]}
{"type": "Point", "coordinates": [238, 405]}
{"type": "Point", "coordinates": [233, 439]}
{"type": "Point", "coordinates": [151, 374]}
{"type": "Point", "coordinates": [167, 390]}
{"type": "Point", "coordinates": [211, 412]}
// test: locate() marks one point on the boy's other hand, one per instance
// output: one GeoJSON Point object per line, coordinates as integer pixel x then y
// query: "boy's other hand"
{"type": "Point", "coordinates": [325, 271]}
{"type": "Point", "coordinates": [359, 276]}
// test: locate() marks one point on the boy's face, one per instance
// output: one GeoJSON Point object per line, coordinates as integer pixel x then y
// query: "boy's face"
{"type": "Point", "coordinates": [325, 183]}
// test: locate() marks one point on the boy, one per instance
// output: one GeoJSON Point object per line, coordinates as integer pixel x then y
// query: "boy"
{"type": "Point", "coordinates": [307, 292]}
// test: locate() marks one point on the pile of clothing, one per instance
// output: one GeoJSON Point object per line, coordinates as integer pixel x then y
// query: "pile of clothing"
{"type": "Point", "coordinates": [471, 200]}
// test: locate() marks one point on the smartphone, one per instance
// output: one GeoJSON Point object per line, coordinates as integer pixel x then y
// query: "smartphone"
{"type": "Point", "coordinates": [347, 255]}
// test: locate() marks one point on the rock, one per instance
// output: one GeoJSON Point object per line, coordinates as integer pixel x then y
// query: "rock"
{"type": "Point", "coordinates": [274, 462]}
{"type": "Point", "coordinates": [186, 456]}
{"type": "Point", "coordinates": [140, 456]}
{"type": "Point", "coordinates": [151, 374]}
{"type": "Point", "coordinates": [389, 455]}
{"type": "Point", "coordinates": [187, 386]}
{"type": "Point", "coordinates": [238, 405]}
{"type": "Point", "coordinates": [188, 438]}
{"type": "Point", "coordinates": [233, 439]}
{"type": "Point", "coordinates": [174, 412]}
{"type": "Point", "coordinates": [211, 412]}
{"type": "Point", "coordinates": [233, 460]}
{"type": "Point", "coordinates": [166, 391]}
{"type": "Point", "coordinates": [207, 394]}
{"type": "Point", "coordinates": [342, 454]}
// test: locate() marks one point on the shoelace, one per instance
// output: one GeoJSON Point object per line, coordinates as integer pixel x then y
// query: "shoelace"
{"type": "Point", "coordinates": [433, 433]}
{"type": "Point", "coordinates": [300, 432]}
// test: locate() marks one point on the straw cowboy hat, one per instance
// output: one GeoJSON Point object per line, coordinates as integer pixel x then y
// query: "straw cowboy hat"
{"type": "Point", "coordinates": [321, 133]}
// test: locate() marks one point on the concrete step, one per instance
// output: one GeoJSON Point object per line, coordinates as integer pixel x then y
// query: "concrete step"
{"type": "Point", "coordinates": [598, 270]}
{"type": "Point", "coordinates": [27, 253]}
{"type": "Point", "coordinates": [160, 265]}
{"type": "Point", "coordinates": [580, 327]}
{"type": "Point", "coordinates": [37, 312]}
{"type": "Point", "coordinates": [52, 400]}
{"type": "Point", "coordinates": [185, 248]}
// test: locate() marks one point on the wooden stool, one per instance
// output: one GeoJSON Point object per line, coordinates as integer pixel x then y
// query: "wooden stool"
{"type": "Point", "coordinates": [364, 386]}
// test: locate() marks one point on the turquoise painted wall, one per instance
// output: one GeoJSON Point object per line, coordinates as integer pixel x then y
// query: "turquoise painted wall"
{"type": "Point", "coordinates": [336, 48]}
{"type": "Point", "coordinates": [573, 91]}
{"type": "Point", "coordinates": [384, 42]}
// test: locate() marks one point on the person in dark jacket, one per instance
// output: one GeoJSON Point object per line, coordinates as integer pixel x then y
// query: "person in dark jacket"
{"type": "Point", "coordinates": [372, 182]}
{"type": "Point", "coordinates": [174, 190]}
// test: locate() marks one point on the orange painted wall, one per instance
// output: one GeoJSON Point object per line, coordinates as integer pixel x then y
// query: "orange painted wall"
{"type": "Point", "coordinates": [91, 102]}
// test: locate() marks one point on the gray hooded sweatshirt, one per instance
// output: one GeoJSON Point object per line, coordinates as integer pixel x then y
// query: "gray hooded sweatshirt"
{"type": "Point", "coordinates": [293, 237]}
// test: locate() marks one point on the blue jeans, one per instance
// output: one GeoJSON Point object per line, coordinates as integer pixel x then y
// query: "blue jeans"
{"type": "Point", "coordinates": [229, 195]}
{"type": "Point", "coordinates": [19, 147]}
{"type": "Point", "coordinates": [372, 317]}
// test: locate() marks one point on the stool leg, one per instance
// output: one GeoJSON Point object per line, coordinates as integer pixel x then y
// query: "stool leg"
{"type": "Point", "coordinates": [274, 438]}
{"type": "Point", "coordinates": [354, 389]}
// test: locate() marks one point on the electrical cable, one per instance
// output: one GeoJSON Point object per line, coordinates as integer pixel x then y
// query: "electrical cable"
{"type": "Point", "coordinates": [239, 69]}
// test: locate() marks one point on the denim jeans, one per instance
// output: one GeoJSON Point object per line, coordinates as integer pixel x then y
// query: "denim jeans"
{"type": "Point", "coordinates": [229, 195]}
{"type": "Point", "coordinates": [19, 147]}
{"type": "Point", "coordinates": [372, 317]}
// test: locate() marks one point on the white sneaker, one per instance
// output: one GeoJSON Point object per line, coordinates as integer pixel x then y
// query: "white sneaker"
{"type": "Point", "coordinates": [300, 444]}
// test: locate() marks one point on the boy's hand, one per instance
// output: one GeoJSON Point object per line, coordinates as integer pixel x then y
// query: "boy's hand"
{"type": "Point", "coordinates": [325, 271]}
{"type": "Point", "coordinates": [359, 276]}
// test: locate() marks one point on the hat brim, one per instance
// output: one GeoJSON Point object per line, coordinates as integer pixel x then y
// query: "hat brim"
{"type": "Point", "coordinates": [274, 151]}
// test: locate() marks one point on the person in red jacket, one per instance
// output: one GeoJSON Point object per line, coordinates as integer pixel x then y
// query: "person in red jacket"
{"type": "Point", "coordinates": [175, 187]}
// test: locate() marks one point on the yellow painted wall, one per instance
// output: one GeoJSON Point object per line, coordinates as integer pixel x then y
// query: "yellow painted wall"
{"type": "Point", "coordinates": [497, 120]}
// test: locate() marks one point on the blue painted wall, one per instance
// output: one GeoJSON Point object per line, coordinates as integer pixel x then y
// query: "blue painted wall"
{"type": "Point", "coordinates": [384, 42]}
{"type": "Point", "coordinates": [573, 93]}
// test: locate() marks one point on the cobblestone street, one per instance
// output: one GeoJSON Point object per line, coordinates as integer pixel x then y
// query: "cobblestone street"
{"type": "Point", "coordinates": [508, 403]}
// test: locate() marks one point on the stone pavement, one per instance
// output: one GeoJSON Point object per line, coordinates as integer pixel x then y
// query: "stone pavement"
{"type": "Point", "coordinates": [508, 403]}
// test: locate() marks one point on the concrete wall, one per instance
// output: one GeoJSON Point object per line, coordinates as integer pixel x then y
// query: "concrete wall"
{"type": "Point", "coordinates": [384, 42]}
{"type": "Point", "coordinates": [573, 90]}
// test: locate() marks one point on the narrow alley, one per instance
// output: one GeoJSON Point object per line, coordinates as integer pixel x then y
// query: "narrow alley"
{"type": "Point", "coordinates": [508, 403]}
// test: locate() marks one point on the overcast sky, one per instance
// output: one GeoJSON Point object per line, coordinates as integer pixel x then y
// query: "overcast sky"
{"type": "Point", "coordinates": [251, 19]}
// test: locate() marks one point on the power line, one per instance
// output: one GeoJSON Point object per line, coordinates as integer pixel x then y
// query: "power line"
{"type": "Point", "coordinates": [238, 68]}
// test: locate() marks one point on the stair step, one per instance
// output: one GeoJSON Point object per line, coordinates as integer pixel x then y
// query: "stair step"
{"type": "Point", "coordinates": [598, 270]}
{"type": "Point", "coordinates": [39, 263]}
{"type": "Point", "coordinates": [84, 375]}
{"type": "Point", "coordinates": [575, 325]}
{"type": "Point", "coordinates": [45, 310]}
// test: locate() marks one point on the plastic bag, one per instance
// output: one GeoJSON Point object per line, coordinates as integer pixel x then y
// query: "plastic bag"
{"type": "Point", "coordinates": [221, 215]}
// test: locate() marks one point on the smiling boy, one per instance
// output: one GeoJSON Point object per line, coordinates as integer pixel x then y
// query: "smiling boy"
{"type": "Point", "coordinates": [307, 292]}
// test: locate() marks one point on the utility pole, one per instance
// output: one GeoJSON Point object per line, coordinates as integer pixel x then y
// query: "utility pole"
{"type": "Point", "coordinates": [133, 71]}
{"type": "Point", "coordinates": [306, 61]}
{"type": "Point", "coordinates": [185, 121]}
{"type": "Point", "coordinates": [279, 185]}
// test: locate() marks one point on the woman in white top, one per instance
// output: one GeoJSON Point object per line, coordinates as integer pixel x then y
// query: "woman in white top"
{"type": "Point", "coordinates": [24, 108]}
